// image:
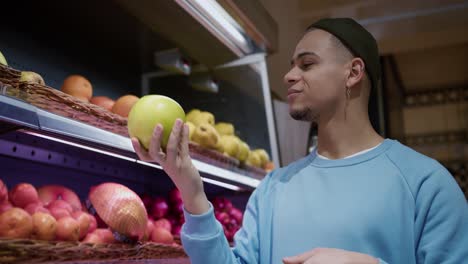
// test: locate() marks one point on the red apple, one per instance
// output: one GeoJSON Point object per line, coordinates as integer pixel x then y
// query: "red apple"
{"type": "Point", "coordinates": [23, 194]}
{"type": "Point", "coordinates": [49, 193]}
{"type": "Point", "coordinates": [36, 207]}
{"type": "Point", "coordinates": [61, 204]}
{"type": "Point", "coordinates": [164, 223]}
{"type": "Point", "coordinates": [84, 220]}
{"type": "Point", "coordinates": [149, 229]}
{"type": "Point", "coordinates": [68, 229]}
{"type": "Point", "coordinates": [5, 206]}
{"type": "Point", "coordinates": [100, 236]}
{"type": "Point", "coordinates": [92, 223]}
{"type": "Point", "coordinates": [3, 192]}
{"type": "Point", "coordinates": [161, 235]}
{"type": "Point", "coordinates": [105, 234]}
{"type": "Point", "coordinates": [15, 223]}
{"type": "Point", "coordinates": [44, 226]}
{"type": "Point", "coordinates": [93, 239]}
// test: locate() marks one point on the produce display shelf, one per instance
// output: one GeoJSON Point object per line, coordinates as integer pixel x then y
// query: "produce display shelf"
{"type": "Point", "coordinates": [15, 114]}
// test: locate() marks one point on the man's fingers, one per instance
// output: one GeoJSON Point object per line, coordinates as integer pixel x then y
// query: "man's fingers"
{"type": "Point", "coordinates": [184, 148]}
{"type": "Point", "coordinates": [299, 259]}
{"type": "Point", "coordinates": [155, 144]}
{"type": "Point", "coordinates": [174, 140]}
{"type": "Point", "coordinates": [142, 154]}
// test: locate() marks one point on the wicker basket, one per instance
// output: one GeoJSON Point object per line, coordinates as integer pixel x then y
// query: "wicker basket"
{"type": "Point", "coordinates": [35, 251]}
{"type": "Point", "coordinates": [60, 103]}
{"type": "Point", "coordinates": [9, 73]}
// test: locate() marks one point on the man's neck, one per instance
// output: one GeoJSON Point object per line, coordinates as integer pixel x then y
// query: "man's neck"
{"type": "Point", "coordinates": [344, 137]}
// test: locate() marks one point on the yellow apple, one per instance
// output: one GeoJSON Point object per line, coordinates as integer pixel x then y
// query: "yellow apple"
{"type": "Point", "coordinates": [229, 145]}
{"type": "Point", "coordinates": [243, 151]}
{"type": "Point", "coordinates": [3, 59]}
{"type": "Point", "coordinates": [192, 114]}
{"type": "Point", "coordinates": [192, 128]}
{"type": "Point", "coordinates": [203, 118]}
{"type": "Point", "coordinates": [254, 160]}
{"type": "Point", "coordinates": [206, 135]}
{"type": "Point", "coordinates": [225, 128]}
{"type": "Point", "coordinates": [264, 157]}
{"type": "Point", "coordinates": [31, 77]}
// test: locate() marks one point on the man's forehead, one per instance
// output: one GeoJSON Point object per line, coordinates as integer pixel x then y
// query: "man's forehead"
{"type": "Point", "coordinates": [314, 41]}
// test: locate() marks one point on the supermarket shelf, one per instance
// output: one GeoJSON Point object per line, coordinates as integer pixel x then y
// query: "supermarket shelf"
{"type": "Point", "coordinates": [40, 123]}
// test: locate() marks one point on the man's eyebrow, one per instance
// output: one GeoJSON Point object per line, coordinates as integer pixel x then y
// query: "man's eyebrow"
{"type": "Point", "coordinates": [302, 54]}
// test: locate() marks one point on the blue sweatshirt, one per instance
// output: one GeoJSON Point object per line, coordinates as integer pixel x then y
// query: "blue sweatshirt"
{"type": "Point", "coordinates": [391, 203]}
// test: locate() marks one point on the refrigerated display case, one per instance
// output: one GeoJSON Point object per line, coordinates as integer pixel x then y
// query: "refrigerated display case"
{"type": "Point", "coordinates": [116, 45]}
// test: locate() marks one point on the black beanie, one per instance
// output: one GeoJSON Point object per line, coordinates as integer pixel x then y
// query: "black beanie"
{"type": "Point", "coordinates": [356, 38]}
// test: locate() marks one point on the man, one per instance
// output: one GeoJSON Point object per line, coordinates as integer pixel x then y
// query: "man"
{"type": "Point", "coordinates": [358, 198]}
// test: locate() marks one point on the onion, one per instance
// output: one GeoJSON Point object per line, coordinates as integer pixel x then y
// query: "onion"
{"type": "Point", "coordinates": [176, 230]}
{"type": "Point", "coordinates": [147, 201]}
{"type": "Point", "coordinates": [159, 208]}
{"type": "Point", "coordinates": [236, 214]}
{"type": "Point", "coordinates": [221, 204]}
{"type": "Point", "coordinates": [175, 196]}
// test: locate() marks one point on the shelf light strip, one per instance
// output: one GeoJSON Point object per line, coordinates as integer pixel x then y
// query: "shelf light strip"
{"type": "Point", "coordinates": [78, 145]}
{"type": "Point", "coordinates": [202, 167]}
{"type": "Point", "coordinates": [226, 174]}
{"type": "Point", "coordinates": [221, 184]}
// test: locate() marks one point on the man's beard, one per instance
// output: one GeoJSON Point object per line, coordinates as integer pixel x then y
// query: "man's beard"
{"type": "Point", "coordinates": [304, 115]}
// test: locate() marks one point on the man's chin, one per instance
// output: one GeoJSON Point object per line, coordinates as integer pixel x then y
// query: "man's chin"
{"type": "Point", "coordinates": [303, 115]}
{"type": "Point", "coordinates": [299, 115]}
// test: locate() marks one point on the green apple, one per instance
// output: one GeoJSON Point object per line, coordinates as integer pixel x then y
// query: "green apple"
{"type": "Point", "coordinates": [3, 60]}
{"type": "Point", "coordinates": [149, 111]}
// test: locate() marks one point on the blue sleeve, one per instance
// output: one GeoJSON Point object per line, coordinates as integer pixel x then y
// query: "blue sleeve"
{"type": "Point", "coordinates": [441, 221]}
{"type": "Point", "coordinates": [205, 243]}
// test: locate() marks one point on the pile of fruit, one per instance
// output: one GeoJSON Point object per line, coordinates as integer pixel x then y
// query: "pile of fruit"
{"type": "Point", "coordinates": [167, 212]}
{"type": "Point", "coordinates": [55, 213]}
{"type": "Point", "coordinates": [228, 215]}
{"type": "Point", "coordinates": [221, 136]}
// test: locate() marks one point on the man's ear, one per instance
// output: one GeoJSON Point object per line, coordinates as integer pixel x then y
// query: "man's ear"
{"type": "Point", "coordinates": [356, 73]}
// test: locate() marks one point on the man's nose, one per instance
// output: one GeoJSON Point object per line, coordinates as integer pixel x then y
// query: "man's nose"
{"type": "Point", "coordinates": [291, 77]}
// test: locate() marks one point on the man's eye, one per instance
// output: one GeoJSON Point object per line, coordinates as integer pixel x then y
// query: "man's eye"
{"type": "Point", "coordinates": [307, 65]}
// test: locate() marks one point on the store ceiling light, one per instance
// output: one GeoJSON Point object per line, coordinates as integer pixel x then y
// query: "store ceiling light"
{"type": "Point", "coordinates": [213, 16]}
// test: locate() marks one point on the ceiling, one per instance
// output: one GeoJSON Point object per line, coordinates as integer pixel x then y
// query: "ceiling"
{"type": "Point", "coordinates": [428, 39]}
